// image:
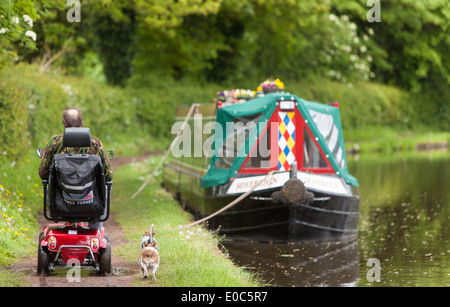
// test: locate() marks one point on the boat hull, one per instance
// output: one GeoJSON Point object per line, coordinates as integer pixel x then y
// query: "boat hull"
{"type": "Point", "coordinates": [262, 220]}
{"type": "Point", "coordinates": [257, 217]}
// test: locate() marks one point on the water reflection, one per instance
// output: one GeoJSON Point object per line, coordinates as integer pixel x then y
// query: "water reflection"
{"type": "Point", "coordinates": [404, 218]}
{"type": "Point", "coordinates": [308, 263]}
{"type": "Point", "coordinates": [404, 223]}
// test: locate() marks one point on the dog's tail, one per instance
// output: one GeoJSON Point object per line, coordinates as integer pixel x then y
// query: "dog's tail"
{"type": "Point", "coordinates": [150, 234]}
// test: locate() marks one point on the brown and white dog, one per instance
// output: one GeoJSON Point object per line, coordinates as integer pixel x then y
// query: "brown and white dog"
{"type": "Point", "coordinates": [149, 257]}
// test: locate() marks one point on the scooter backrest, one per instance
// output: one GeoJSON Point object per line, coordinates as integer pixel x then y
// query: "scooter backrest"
{"type": "Point", "coordinates": [77, 137]}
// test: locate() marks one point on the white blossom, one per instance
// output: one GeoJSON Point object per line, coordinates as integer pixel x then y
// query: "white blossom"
{"type": "Point", "coordinates": [28, 20]}
{"type": "Point", "coordinates": [3, 30]}
{"type": "Point", "coordinates": [31, 34]}
{"type": "Point", "coordinates": [15, 19]}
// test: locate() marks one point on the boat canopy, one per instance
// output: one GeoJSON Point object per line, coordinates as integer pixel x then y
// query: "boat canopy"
{"type": "Point", "coordinates": [244, 125]}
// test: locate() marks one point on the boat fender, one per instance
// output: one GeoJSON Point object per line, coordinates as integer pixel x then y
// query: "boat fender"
{"type": "Point", "coordinates": [276, 197]}
{"type": "Point", "coordinates": [293, 192]}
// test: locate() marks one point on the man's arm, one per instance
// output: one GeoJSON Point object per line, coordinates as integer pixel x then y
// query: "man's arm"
{"type": "Point", "coordinates": [98, 147]}
{"type": "Point", "coordinates": [47, 157]}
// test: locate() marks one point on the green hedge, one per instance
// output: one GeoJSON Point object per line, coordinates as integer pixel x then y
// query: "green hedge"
{"type": "Point", "coordinates": [13, 121]}
{"type": "Point", "coordinates": [32, 105]}
{"type": "Point", "coordinates": [144, 111]}
{"type": "Point", "coordinates": [362, 104]}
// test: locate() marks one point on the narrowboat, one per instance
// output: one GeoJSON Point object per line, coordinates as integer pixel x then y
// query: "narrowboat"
{"type": "Point", "coordinates": [287, 151]}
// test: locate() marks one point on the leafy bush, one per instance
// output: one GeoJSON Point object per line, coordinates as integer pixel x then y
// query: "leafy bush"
{"type": "Point", "coordinates": [32, 105]}
{"type": "Point", "coordinates": [13, 120]}
{"type": "Point", "coordinates": [132, 118]}
{"type": "Point", "coordinates": [362, 104]}
{"type": "Point", "coordinates": [157, 98]}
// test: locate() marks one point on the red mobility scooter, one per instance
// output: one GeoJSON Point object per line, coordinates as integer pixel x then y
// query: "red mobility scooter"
{"type": "Point", "coordinates": [77, 200]}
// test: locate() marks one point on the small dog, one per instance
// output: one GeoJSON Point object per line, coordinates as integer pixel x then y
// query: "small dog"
{"type": "Point", "coordinates": [149, 257]}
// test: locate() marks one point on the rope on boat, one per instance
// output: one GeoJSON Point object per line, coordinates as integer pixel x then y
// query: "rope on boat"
{"type": "Point", "coordinates": [191, 110]}
{"type": "Point", "coordinates": [234, 202]}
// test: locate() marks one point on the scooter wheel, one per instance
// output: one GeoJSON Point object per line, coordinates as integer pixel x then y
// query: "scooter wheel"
{"type": "Point", "coordinates": [43, 265]}
{"type": "Point", "coordinates": [105, 260]}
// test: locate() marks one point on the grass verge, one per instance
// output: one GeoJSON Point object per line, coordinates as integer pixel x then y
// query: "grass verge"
{"type": "Point", "coordinates": [189, 257]}
{"type": "Point", "coordinates": [20, 201]}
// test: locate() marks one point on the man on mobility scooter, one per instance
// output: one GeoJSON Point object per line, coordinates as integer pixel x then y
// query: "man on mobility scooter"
{"type": "Point", "coordinates": [77, 180]}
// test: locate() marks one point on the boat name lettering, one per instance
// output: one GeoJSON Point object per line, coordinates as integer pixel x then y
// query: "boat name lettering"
{"type": "Point", "coordinates": [250, 184]}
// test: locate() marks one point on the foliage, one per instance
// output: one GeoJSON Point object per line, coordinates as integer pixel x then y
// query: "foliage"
{"type": "Point", "coordinates": [115, 42]}
{"type": "Point", "coordinates": [31, 103]}
{"type": "Point", "coordinates": [16, 23]}
{"type": "Point", "coordinates": [233, 40]}
{"type": "Point", "coordinates": [295, 38]}
{"type": "Point", "coordinates": [167, 53]}
{"type": "Point", "coordinates": [157, 97]}
{"type": "Point", "coordinates": [13, 120]}
{"type": "Point", "coordinates": [362, 104]}
{"type": "Point", "coordinates": [180, 45]}
{"type": "Point", "coordinates": [145, 108]}
{"type": "Point", "coordinates": [20, 199]}
{"type": "Point", "coordinates": [412, 39]}
{"type": "Point", "coordinates": [292, 39]}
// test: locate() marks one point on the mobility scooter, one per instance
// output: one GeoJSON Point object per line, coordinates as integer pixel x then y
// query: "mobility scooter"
{"type": "Point", "coordinates": [76, 198]}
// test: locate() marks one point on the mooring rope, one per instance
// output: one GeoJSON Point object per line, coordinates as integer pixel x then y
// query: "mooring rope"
{"type": "Point", "coordinates": [191, 110]}
{"type": "Point", "coordinates": [234, 202]}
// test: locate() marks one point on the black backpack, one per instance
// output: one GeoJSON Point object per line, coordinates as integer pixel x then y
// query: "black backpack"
{"type": "Point", "coordinates": [77, 186]}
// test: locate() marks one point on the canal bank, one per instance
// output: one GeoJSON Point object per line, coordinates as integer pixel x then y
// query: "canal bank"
{"type": "Point", "coordinates": [389, 140]}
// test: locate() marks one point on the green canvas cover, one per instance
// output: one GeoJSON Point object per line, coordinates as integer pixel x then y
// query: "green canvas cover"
{"type": "Point", "coordinates": [323, 120]}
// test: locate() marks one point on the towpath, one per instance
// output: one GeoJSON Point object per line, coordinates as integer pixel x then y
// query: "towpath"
{"type": "Point", "coordinates": [123, 273]}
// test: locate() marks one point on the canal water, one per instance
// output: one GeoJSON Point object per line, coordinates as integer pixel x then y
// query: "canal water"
{"type": "Point", "coordinates": [403, 239]}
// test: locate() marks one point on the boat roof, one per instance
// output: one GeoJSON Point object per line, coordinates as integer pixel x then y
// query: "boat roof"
{"type": "Point", "coordinates": [323, 121]}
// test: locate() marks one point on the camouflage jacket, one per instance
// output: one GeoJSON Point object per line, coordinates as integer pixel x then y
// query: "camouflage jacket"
{"type": "Point", "coordinates": [55, 146]}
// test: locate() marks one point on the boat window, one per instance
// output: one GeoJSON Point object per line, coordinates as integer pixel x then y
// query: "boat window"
{"type": "Point", "coordinates": [312, 158]}
{"type": "Point", "coordinates": [330, 132]}
{"type": "Point", "coordinates": [260, 155]}
{"type": "Point", "coordinates": [237, 133]}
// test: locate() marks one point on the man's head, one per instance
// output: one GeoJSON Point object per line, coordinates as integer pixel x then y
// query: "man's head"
{"type": "Point", "coordinates": [72, 117]}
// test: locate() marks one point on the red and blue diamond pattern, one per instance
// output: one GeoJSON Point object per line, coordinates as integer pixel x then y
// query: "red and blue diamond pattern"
{"type": "Point", "coordinates": [286, 140]}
